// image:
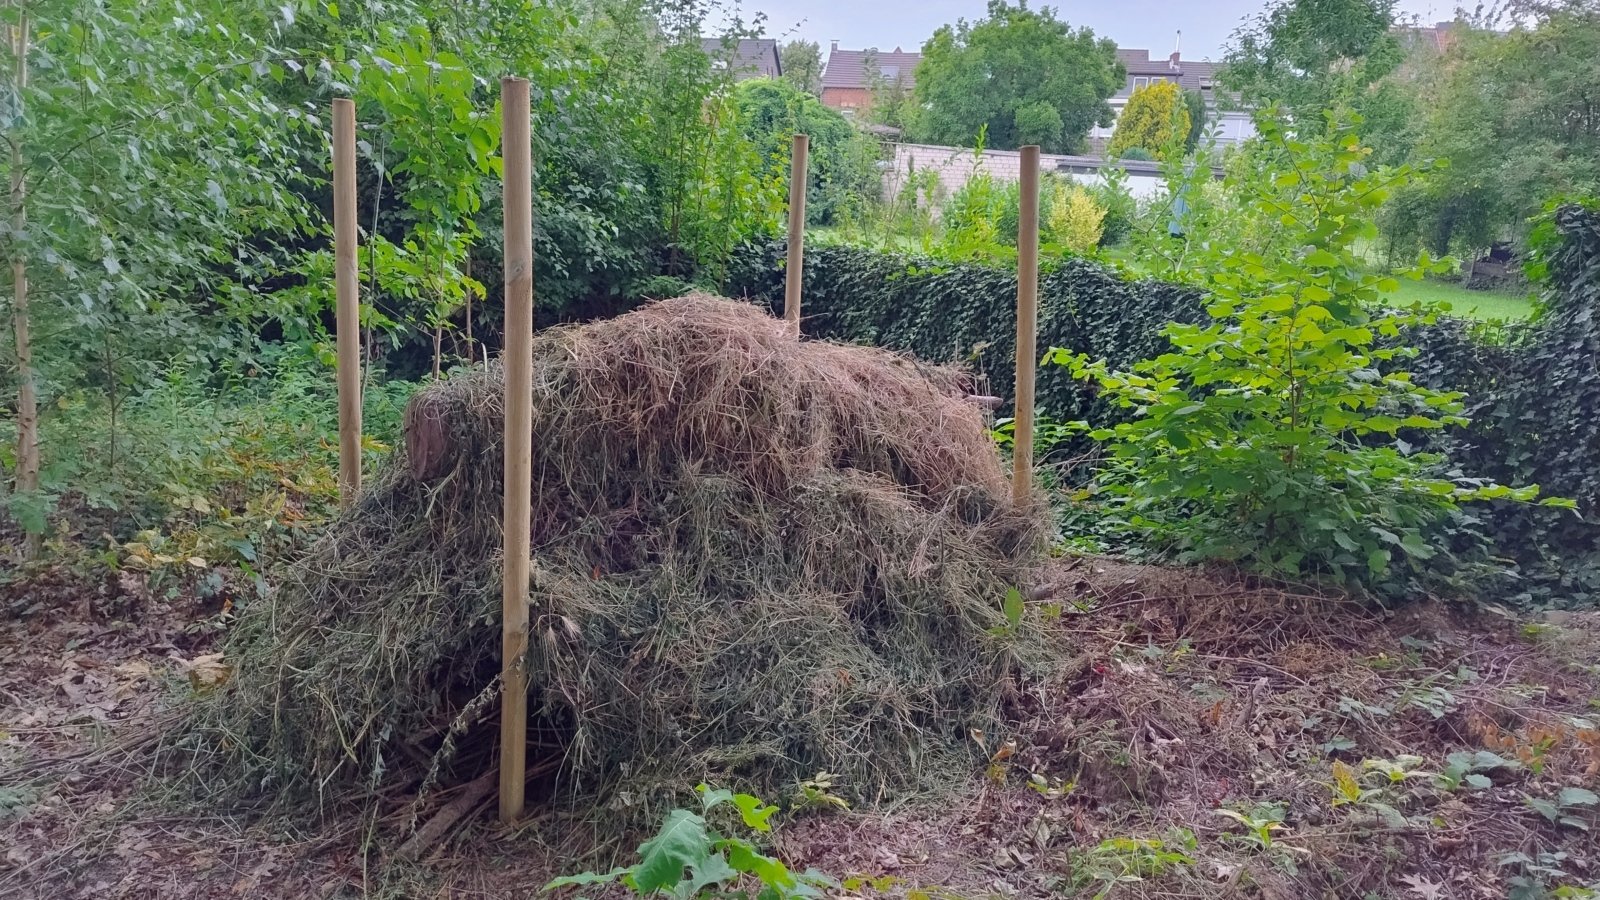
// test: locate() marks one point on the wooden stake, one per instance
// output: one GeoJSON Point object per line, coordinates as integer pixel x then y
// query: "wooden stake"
{"type": "Point", "coordinates": [1027, 325]}
{"type": "Point", "coordinates": [27, 483]}
{"type": "Point", "coordinates": [797, 231]}
{"type": "Point", "coordinates": [517, 153]}
{"type": "Point", "coordinates": [346, 282]}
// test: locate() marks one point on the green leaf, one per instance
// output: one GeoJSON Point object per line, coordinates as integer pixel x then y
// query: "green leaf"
{"type": "Point", "coordinates": [683, 842]}
{"type": "Point", "coordinates": [755, 814]}
{"type": "Point", "coordinates": [772, 872]}
{"type": "Point", "coordinates": [587, 878]}
{"type": "Point", "coordinates": [713, 870]}
{"type": "Point", "coordinates": [1542, 807]}
{"type": "Point", "coordinates": [1012, 607]}
{"type": "Point", "coordinates": [1576, 796]}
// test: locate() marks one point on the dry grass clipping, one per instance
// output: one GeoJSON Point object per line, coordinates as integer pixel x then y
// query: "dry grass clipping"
{"type": "Point", "coordinates": [755, 557]}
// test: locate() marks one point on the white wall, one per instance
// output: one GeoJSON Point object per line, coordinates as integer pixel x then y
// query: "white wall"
{"type": "Point", "coordinates": [1230, 127]}
{"type": "Point", "coordinates": [955, 165]}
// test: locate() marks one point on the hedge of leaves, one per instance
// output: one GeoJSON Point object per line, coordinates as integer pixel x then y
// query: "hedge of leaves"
{"type": "Point", "coordinates": [1533, 390]}
{"type": "Point", "coordinates": [967, 312]}
{"type": "Point", "coordinates": [1533, 393]}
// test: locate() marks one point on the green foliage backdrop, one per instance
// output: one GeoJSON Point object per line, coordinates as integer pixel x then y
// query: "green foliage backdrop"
{"type": "Point", "coordinates": [1532, 390]}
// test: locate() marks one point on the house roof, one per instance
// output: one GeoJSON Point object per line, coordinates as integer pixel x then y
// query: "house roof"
{"type": "Point", "coordinates": [751, 58]}
{"type": "Point", "coordinates": [848, 68]}
{"type": "Point", "coordinates": [1436, 37]}
{"type": "Point", "coordinates": [1191, 75]}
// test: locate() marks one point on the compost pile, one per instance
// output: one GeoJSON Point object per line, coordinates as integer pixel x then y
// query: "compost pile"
{"type": "Point", "coordinates": [754, 557]}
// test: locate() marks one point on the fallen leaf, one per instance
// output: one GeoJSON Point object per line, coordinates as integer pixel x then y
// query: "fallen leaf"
{"type": "Point", "coordinates": [206, 671]}
{"type": "Point", "coordinates": [1423, 888]}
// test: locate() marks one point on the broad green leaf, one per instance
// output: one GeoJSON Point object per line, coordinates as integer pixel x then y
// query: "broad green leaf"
{"type": "Point", "coordinates": [683, 842]}
{"type": "Point", "coordinates": [755, 814]}
{"type": "Point", "coordinates": [587, 878]}
{"type": "Point", "coordinates": [1576, 796]}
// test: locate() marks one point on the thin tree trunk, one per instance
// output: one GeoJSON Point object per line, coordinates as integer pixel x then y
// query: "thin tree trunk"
{"type": "Point", "coordinates": [467, 270]}
{"type": "Point", "coordinates": [111, 395]}
{"type": "Point", "coordinates": [27, 484]}
{"type": "Point", "coordinates": [438, 341]}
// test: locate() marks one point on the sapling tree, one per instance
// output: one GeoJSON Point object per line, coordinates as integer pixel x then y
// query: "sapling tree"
{"type": "Point", "coordinates": [442, 137]}
{"type": "Point", "coordinates": [1273, 434]}
{"type": "Point", "coordinates": [146, 148]}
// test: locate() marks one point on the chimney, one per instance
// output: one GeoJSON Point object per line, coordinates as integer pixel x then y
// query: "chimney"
{"type": "Point", "coordinates": [1177, 49]}
{"type": "Point", "coordinates": [834, 48]}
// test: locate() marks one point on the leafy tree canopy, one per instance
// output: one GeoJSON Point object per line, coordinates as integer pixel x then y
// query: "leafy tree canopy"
{"type": "Point", "coordinates": [1310, 56]}
{"type": "Point", "coordinates": [842, 169]}
{"type": "Point", "coordinates": [1025, 74]}
{"type": "Point", "coordinates": [802, 65]}
{"type": "Point", "coordinates": [1516, 115]}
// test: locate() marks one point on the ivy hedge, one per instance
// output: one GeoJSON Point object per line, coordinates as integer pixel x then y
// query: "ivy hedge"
{"type": "Point", "coordinates": [966, 312]}
{"type": "Point", "coordinates": [1533, 389]}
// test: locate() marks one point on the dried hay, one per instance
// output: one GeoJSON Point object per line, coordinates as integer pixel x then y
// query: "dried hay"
{"type": "Point", "coordinates": [754, 557]}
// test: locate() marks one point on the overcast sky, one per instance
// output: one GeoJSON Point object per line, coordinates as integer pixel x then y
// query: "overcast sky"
{"type": "Point", "coordinates": [1149, 24]}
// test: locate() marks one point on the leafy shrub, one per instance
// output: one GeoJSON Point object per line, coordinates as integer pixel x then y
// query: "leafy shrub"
{"type": "Point", "coordinates": [972, 219]}
{"type": "Point", "coordinates": [1271, 435]}
{"type": "Point", "coordinates": [1114, 197]}
{"type": "Point", "coordinates": [842, 171]}
{"type": "Point", "coordinates": [1156, 117]}
{"type": "Point", "coordinates": [1074, 219]}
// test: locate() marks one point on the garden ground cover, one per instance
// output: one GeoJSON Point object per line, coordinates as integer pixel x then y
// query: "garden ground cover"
{"type": "Point", "coordinates": [1177, 703]}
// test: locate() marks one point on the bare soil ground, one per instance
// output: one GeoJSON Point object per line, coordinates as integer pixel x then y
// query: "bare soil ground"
{"type": "Point", "coordinates": [1199, 737]}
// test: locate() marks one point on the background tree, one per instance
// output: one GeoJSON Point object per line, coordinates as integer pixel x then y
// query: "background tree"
{"type": "Point", "coordinates": [891, 101]}
{"type": "Point", "coordinates": [1310, 56]}
{"type": "Point", "coordinates": [842, 174]}
{"type": "Point", "coordinates": [125, 228]}
{"type": "Point", "coordinates": [1196, 104]}
{"type": "Point", "coordinates": [802, 65]}
{"type": "Point", "coordinates": [1026, 75]}
{"type": "Point", "coordinates": [1516, 116]}
{"type": "Point", "coordinates": [1154, 117]}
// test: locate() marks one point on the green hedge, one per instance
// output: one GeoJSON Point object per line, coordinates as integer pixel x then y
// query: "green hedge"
{"type": "Point", "coordinates": [965, 312]}
{"type": "Point", "coordinates": [1533, 393]}
{"type": "Point", "coordinates": [1533, 390]}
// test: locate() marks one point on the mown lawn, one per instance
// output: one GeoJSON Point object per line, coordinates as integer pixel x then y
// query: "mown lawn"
{"type": "Point", "coordinates": [1463, 302]}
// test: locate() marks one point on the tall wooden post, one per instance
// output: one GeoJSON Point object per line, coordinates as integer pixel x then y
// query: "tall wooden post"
{"type": "Point", "coordinates": [517, 152]}
{"type": "Point", "coordinates": [797, 231]}
{"type": "Point", "coordinates": [347, 288]}
{"type": "Point", "coordinates": [27, 478]}
{"type": "Point", "coordinates": [1027, 325]}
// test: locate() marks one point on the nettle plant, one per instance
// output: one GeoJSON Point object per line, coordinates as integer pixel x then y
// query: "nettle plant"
{"type": "Point", "coordinates": [1272, 435]}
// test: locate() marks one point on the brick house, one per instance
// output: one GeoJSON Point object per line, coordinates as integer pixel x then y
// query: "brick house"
{"type": "Point", "coordinates": [848, 77]}
{"type": "Point", "coordinates": [756, 58]}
